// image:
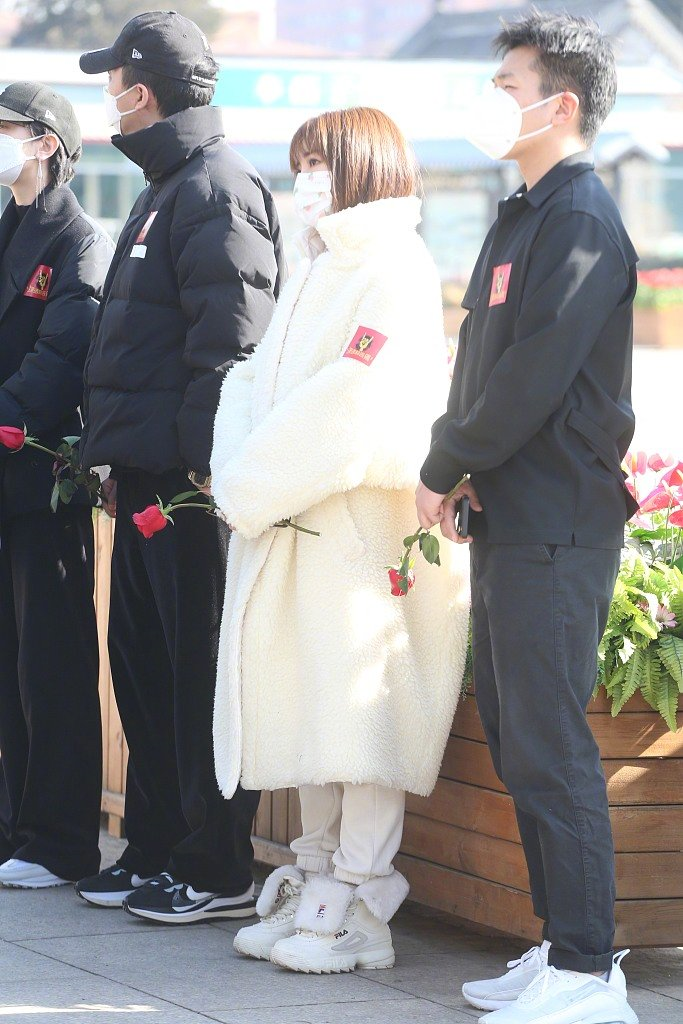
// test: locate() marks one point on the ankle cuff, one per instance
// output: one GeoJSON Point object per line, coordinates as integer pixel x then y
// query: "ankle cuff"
{"type": "Point", "coordinates": [268, 898]}
{"type": "Point", "coordinates": [323, 905]}
{"type": "Point", "coordinates": [566, 960]}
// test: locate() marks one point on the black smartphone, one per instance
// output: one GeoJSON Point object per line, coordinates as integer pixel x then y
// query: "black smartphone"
{"type": "Point", "coordinates": [462, 522]}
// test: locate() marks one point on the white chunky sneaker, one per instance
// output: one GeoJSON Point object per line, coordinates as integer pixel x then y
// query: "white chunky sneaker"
{"type": "Point", "coordinates": [499, 992]}
{"type": "Point", "coordinates": [567, 997]}
{"type": "Point", "coordinates": [257, 940]}
{"type": "Point", "coordinates": [21, 874]}
{"type": "Point", "coordinates": [362, 941]}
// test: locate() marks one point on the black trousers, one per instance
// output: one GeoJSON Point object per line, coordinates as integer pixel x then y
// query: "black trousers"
{"type": "Point", "coordinates": [538, 614]}
{"type": "Point", "coordinates": [166, 605]}
{"type": "Point", "coordinates": [50, 732]}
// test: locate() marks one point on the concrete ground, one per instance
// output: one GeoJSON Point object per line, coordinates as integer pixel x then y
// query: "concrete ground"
{"type": "Point", "coordinates": [64, 961]}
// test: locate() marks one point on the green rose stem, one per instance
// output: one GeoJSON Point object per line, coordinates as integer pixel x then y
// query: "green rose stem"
{"type": "Point", "coordinates": [284, 523]}
{"type": "Point", "coordinates": [210, 507]}
{"type": "Point", "coordinates": [48, 451]}
{"type": "Point", "coordinates": [428, 545]}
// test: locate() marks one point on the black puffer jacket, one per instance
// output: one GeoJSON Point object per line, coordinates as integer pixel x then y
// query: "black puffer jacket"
{"type": "Point", "coordinates": [54, 262]}
{"type": "Point", "coordinates": [191, 290]}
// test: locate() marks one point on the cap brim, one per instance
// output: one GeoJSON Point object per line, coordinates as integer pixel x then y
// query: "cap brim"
{"type": "Point", "coordinates": [96, 61]}
{"type": "Point", "coordinates": [7, 114]}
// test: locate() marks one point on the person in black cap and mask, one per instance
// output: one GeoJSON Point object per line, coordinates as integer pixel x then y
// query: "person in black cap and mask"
{"type": "Point", "coordinates": [53, 261]}
{"type": "Point", "coordinates": [191, 290]}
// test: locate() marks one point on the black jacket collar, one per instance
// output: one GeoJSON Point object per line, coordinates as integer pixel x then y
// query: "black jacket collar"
{"type": "Point", "coordinates": [163, 147]}
{"type": "Point", "coordinates": [57, 207]}
{"type": "Point", "coordinates": [557, 176]}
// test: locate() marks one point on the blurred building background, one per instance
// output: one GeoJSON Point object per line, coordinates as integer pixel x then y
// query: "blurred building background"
{"type": "Point", "coordinates": [422, 61]}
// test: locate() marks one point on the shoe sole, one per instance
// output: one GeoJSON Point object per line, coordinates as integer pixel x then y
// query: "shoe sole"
{"type": "Point", "coordinates": [334, 966]}
{"type": "Point", "coordinates": [192, 917]}
{"type": "Point", "coordinates": [597, 1018]}
{"type": "Point", "coordinates": [36, 885]}
{"type": "Point", "coordinates": [261, 954]}
{"type": "Point", "coordinates": [488, 1004]}
{"type": "Point", "coordinates": [111, 901]}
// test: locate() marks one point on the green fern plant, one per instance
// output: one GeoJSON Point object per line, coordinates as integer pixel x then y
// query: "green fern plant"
{"type": "Point", "coordinates": [642, 649]}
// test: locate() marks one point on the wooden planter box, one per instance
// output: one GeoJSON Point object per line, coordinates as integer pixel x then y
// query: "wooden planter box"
{"type": "Point", "coordinates": [658, 328]}
{"type": "Point", "coordinates": [461, 850]}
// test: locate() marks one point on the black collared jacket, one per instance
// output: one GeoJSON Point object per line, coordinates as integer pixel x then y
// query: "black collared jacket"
{"type": "Point", "coordinates": [540, 406]}
{"type": "Point", "coordinates": [191, 289]}
{"type": "Point", "coordinates": [52, 269]}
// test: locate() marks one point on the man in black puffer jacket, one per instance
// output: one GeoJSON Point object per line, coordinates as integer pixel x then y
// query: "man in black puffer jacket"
{"type": "Point", "coordinates": [53, 262]}
{"type": "Point", "coordinates": [191, 290]}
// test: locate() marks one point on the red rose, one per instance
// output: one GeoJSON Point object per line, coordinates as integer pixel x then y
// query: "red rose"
{"type": "Point", "coordinates": [398, 582]}
{"type": "Point", "coordinates": [150, 521]}
{"type": "Point", "coordinates": [12, 438]}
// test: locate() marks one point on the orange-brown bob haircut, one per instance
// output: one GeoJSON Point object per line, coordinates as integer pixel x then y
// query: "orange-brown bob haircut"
{"type": "Point", "coordinates": [366, 152]}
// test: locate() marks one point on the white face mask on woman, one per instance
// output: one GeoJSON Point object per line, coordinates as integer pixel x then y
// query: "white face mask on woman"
{"type": "Point", "coordinates": [495, 122]}
{"type": "Point", "coordinates": [313, 196]}
{"type": "Point", "coordinates": [111, 109]}
{"type": "Point", "coordinates": [13, 158]}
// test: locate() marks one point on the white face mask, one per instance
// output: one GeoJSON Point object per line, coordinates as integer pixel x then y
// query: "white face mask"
{"type": "Point", "coordinates": [111, 108]}
{"type": "Point", "coordinates": [13, 158]}
{"type": "Point", "coordinates": [313, 196]}
{"type": "Point", "coordinates": [495, 122]}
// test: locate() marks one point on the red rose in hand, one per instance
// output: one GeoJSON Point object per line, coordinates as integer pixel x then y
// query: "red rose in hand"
{"type": "Point", "coordinates": [150, 521]}
{"type": "Point", "coordinates": [12, 438]}
{"type": "Point", "coordinates": [399, 585]}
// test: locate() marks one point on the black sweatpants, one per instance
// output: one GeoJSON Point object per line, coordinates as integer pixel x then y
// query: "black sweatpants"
{"type": "Point", "coordinates": [50, 732]}
{"type": "Point", "coordinates": [538, 614]}
{"type": "Point", "coordinates": [166, 606]}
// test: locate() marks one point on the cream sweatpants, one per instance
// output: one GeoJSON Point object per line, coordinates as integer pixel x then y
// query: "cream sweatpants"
{"type": "Point", "coordinates": [353, 831]}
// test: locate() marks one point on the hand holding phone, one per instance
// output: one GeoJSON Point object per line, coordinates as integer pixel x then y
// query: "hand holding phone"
{"type": "Point", "coordinates": [462, 521]}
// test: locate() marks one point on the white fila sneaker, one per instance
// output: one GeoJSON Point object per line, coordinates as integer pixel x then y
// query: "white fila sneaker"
{"type": "Point", "coordinates": [499, 992]}
{"type": "Point", "coordinates": [567, 997]}
{"type": "Point", "coordinates": [21, 874]}
{"type": "Point", "coordinates": [362, 941]}
{"type": "Point", "coordinates": [277, 915]}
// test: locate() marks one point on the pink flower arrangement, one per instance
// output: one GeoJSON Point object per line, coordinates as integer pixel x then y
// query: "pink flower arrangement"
{"type": "Point", "coordinates": [659, 523]}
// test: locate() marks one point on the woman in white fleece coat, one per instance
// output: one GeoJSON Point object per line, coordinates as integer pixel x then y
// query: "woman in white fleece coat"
{"type": "Point", "coordinates": [325, 680]}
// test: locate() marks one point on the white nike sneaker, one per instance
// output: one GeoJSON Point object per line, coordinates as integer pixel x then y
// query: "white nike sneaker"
{"type": "Point", "coordinates": [499, 992]}
{"type": "Point", "coordinates": [567, 997]}
{"type": "Point", "coordinates": [257, 940]}
{"type": "Point", "coordinates": [21, 874]}
{"type": "Point", "coordinates": [363, 941]}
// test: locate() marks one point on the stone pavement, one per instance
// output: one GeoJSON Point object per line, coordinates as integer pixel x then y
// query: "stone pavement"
{"type": "Point", "coordinates": [63, 961]}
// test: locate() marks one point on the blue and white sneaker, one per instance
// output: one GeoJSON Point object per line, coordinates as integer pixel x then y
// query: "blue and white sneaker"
{"type": "Point", "coordinates": [168, 901]}
{"type": "Point", "coordinates": [110, 887]}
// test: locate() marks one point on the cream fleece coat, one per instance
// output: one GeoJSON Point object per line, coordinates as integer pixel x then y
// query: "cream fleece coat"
{"type": "Point", "coordinates": [323, 676]}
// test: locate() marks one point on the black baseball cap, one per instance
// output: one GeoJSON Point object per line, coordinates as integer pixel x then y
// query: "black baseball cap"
{"type": "Point", "coordinates": [28, 102]}
{"type": "Point", "coordinates": [163, 42]}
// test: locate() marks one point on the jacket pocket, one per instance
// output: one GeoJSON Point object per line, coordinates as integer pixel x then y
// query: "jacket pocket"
{"type": "Point", "coordinates": [605, 448]}
{"type": "Point", "coordinates": [345, 534]}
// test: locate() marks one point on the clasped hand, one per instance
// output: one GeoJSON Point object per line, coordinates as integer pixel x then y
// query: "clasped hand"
{"type": "Point", "coordinates": [433, 508]}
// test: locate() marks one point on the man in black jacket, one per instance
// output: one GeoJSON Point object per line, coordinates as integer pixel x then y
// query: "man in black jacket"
{"type": "Point", "coordinates": [191, 289]}
{"type": "Point", "coordinates": [540, 417]}
{"type": "Point", "coordinates": [53, 263]}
